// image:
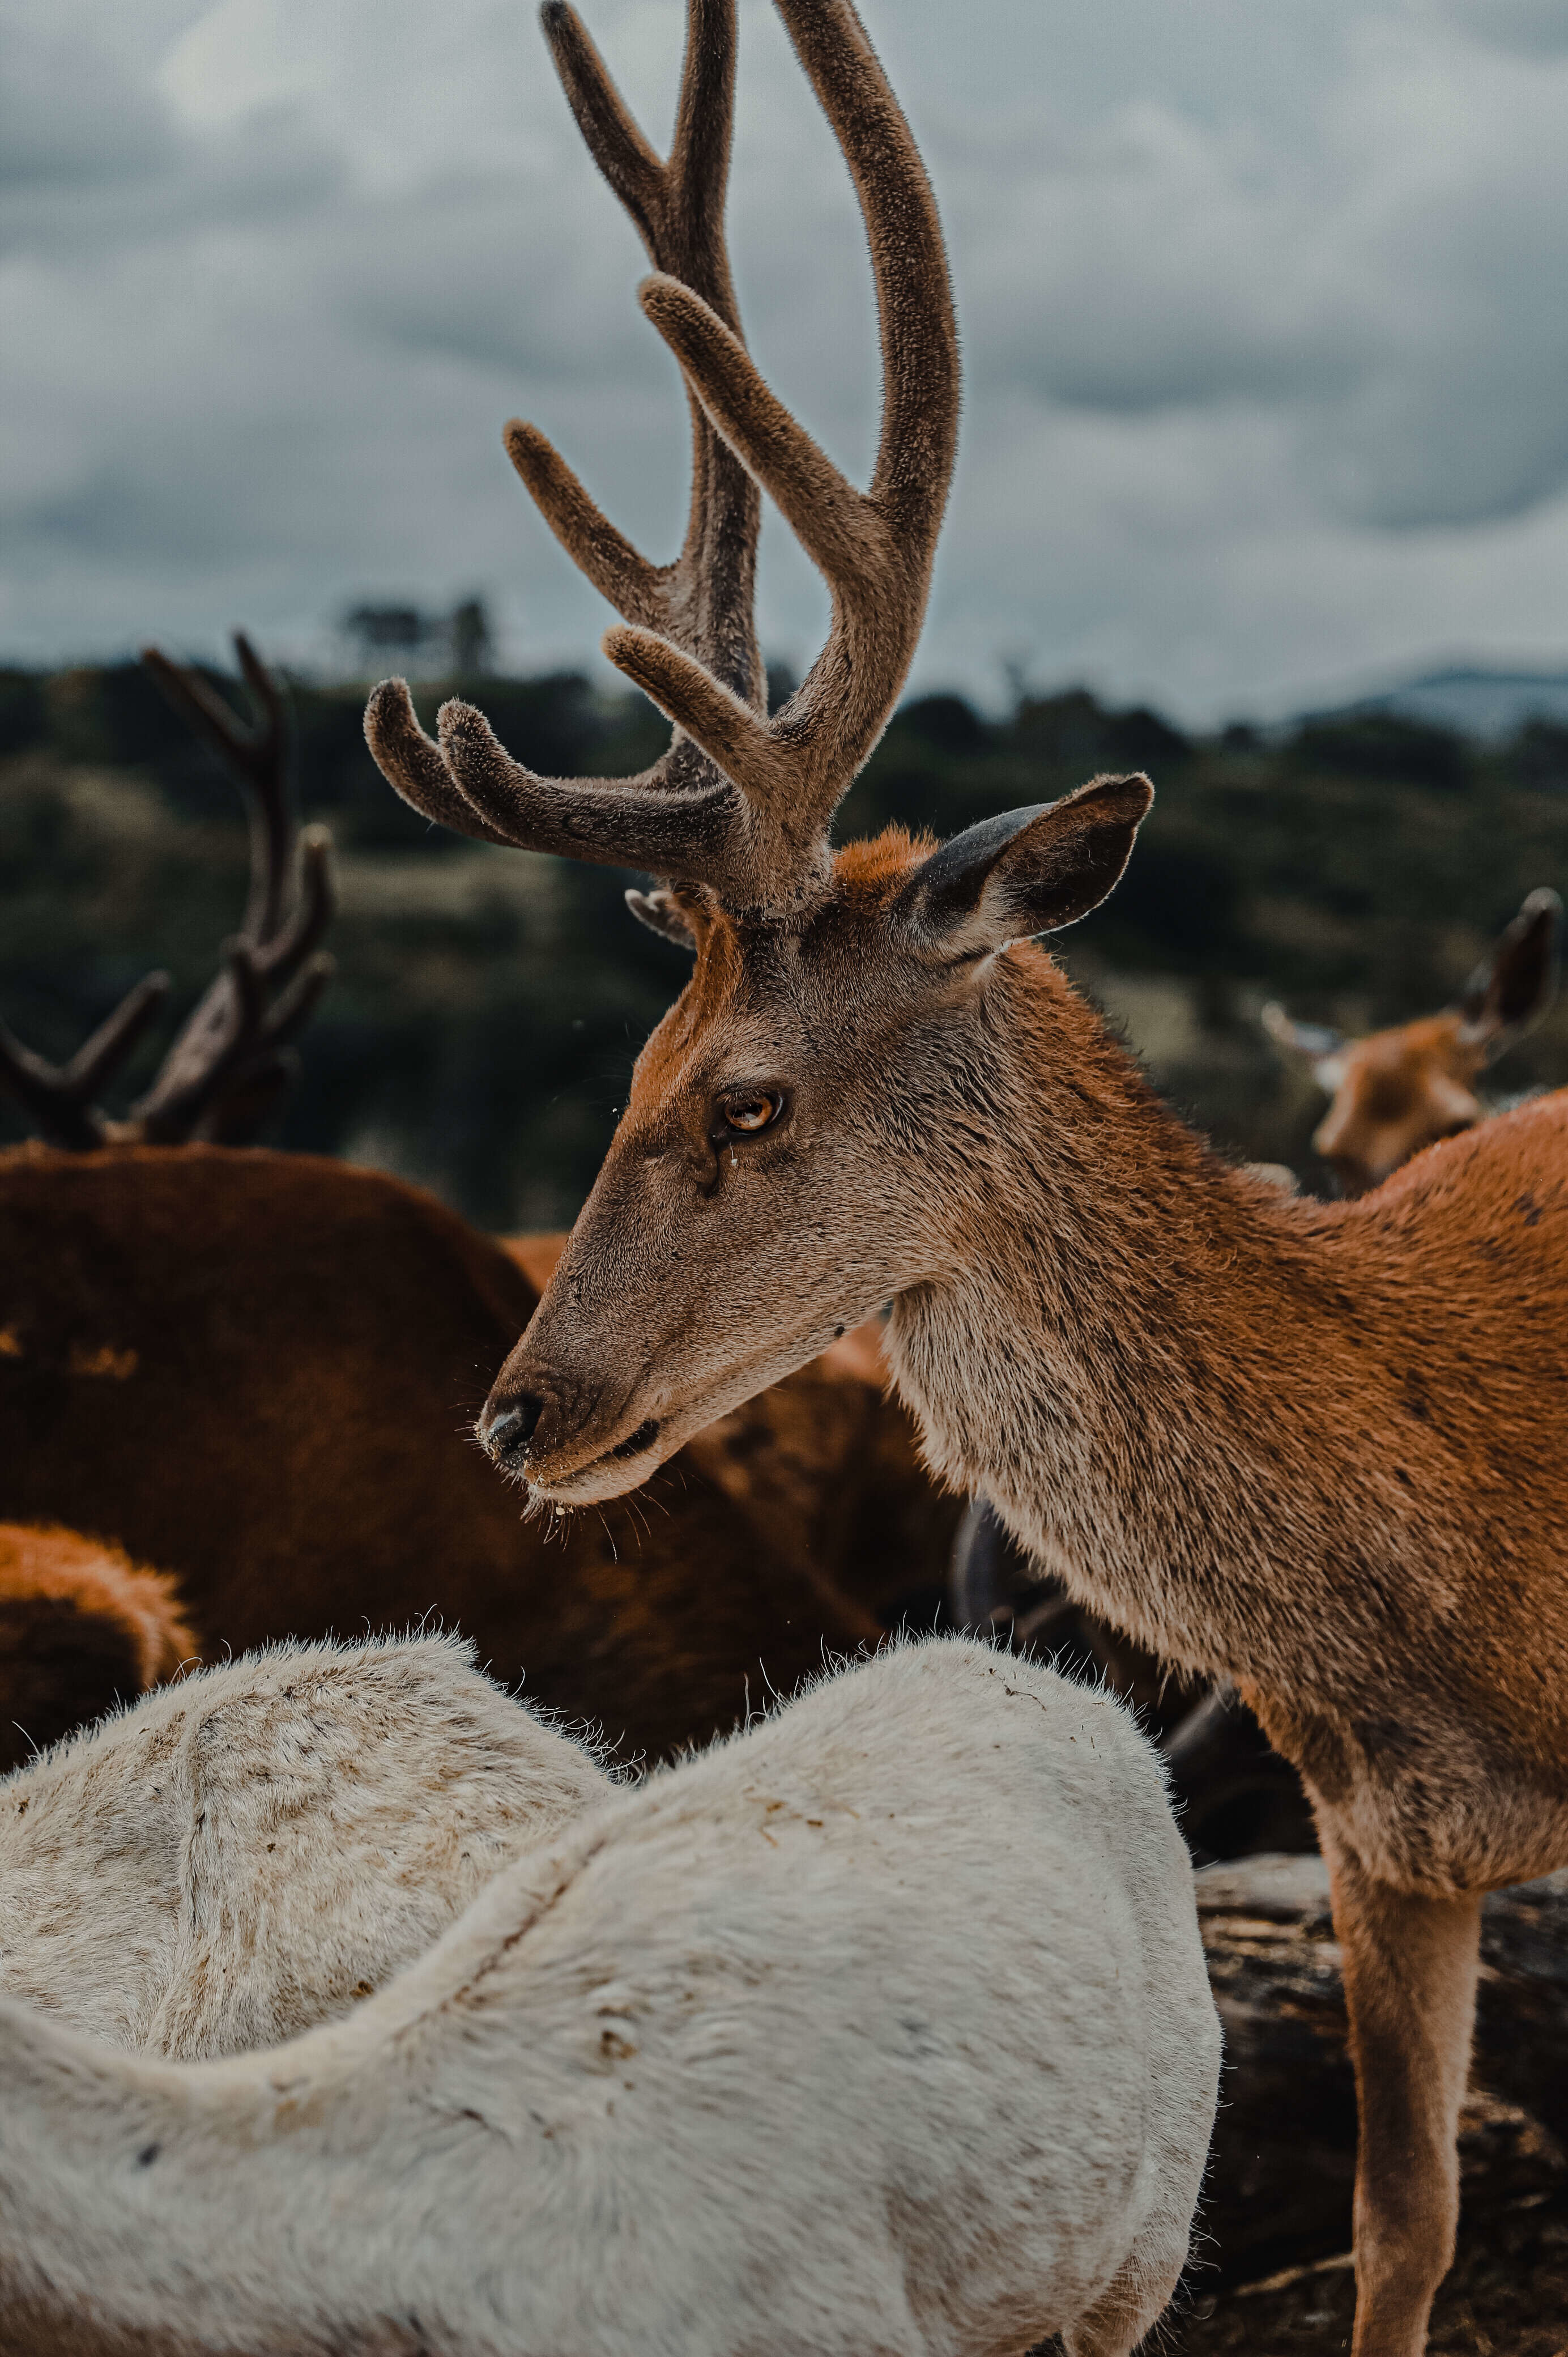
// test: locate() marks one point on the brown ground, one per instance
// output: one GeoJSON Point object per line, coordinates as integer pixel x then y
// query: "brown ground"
{"type": "Point", "coordinates": [1507, 2296]}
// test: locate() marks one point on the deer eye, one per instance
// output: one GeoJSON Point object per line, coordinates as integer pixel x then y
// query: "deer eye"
{"type": "Point", "coordinates": [750, 1110]}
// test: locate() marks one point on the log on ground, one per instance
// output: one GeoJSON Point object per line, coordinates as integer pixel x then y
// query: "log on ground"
{"type": "Point", "coordinates": [1279, 2189]}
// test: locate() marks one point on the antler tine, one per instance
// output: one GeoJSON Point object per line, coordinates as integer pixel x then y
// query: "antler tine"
{"type": "Point", "coordinates": [656, 820]}
{"type": "Point", "coordinates": [257, 755]}
{"type": "Point", "coordinates": [231, 1028]}
{"type": "Point", "coordinates": [234, 1075]}
{"type": "Point", "coordinates": [227, 1043]}
{"type": "Point", "coordinates": [682, 638]}
{"type": "Point", "coordinates": [60, 1096]}
{"type": "Point", "coordinates": [704, 599]}
{"type": "Point", "coordinates": [226, 1066]}
{"type": "Point", "coordinates": [875, 549]}
{"type": "Point", "coordinates": [314, 909]}
{"type": "Point", "coordinates": [273, 821]}
{"type": "Point", "coordinates": [679, 818]}
{"type": "Point", "coordinates": [225, 1024]}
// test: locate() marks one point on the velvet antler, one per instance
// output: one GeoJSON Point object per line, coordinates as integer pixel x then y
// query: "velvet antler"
{"type": "Point", "coordinates": [740, 802]}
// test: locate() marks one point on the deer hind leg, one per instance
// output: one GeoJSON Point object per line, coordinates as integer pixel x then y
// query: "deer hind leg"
{"type": "Point", "coordinates": [1410, 1982]}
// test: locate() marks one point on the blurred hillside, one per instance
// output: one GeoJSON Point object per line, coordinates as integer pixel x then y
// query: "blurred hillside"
{"type": "Point", "coordinates": [488, 1004]}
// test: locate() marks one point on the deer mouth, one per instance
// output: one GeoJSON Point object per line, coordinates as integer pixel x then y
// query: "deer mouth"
{"type": "Point", "coordinates": [561, 1487]}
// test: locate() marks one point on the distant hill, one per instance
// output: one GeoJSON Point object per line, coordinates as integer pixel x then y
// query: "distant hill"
{"type": "Point", "coordinates": [1475, 700]}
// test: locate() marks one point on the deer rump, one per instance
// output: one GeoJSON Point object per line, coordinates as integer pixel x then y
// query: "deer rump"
{"type": "Point", "coordinates": [742, 2059]}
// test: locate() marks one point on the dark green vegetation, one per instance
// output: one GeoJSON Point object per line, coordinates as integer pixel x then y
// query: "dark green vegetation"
{"type": "Point", "coordinates": [488, 1004]}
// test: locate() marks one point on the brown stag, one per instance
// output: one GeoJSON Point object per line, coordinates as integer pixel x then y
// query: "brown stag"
{"type": "Point", "coordinates": [1397, 1091]}
{"type": "Point", "coordinates": [1321, 1451]}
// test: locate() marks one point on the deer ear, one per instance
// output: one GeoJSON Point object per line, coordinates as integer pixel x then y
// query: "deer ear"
{"type": "Point", "coordinates": [661, 913]}
{"type": "Point", "coordinates": [1029, 871]}
{"type": "Point", "coordinates": [1311, 1046]}
{"type": "Point", "coordinates": [1513, 988]}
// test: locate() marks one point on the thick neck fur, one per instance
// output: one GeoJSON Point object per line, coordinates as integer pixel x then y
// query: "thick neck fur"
{"type": "Point", "coordinates": [1313, 1446]}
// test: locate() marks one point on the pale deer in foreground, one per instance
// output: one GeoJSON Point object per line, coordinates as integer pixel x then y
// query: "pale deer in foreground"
{"type": "Point", "coordinates": [1321, 1451]}
{"type": "Point", "coordinates": [1397, 1091]}
{"type": "Point", "coordinates": [738, 2060]}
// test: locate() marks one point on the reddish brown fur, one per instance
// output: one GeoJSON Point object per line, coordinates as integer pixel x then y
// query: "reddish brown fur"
{"type": "Point", "coordinates": [81, 1627]}
{"type": "Point", "coordinates": [259, 1370]}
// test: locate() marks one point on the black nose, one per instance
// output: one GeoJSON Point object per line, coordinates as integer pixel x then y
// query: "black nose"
{"type": "Point", "coordinates": [508, 1433]}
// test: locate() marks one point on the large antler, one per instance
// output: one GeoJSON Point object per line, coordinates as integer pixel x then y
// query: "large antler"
{"type": "Point", "coordinates": [740, 802]}
{"type": "Point", "coordinates": [232, 1058]}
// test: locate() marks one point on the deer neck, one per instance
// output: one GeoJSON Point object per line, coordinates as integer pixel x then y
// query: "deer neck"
{"type": "Point", "coordinates": [1128, 1347]}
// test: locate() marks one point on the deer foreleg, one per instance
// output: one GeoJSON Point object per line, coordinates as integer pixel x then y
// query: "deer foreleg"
{"type": "Point", "coordinates": [1410, 1982]}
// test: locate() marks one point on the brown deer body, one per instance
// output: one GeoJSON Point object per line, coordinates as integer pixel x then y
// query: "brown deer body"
{"type": "Point", "coordinates": [1397, 1091]}
{"type": "Point", "coordinates": [1322, 1450]}
{"type": "Point", "coordinates": [260, 1371]}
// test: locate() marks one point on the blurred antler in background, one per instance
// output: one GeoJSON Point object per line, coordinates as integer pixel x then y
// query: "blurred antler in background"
{"type": "Point", "coordinates": [234, 1058]}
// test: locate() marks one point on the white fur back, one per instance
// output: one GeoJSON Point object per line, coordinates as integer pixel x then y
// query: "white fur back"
{"type": "Point", "coordinates": [248, 1852]}
{"type": "Point", "coordinates": [882, 2027]}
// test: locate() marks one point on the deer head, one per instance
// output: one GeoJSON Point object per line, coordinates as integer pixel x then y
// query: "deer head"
{"type": "Point", "coordinates": [771, 1182]}
{"type": "Point", "coordinates": [1399, 1090]}
{"type": "Point", "coordinates": [233, 1056]}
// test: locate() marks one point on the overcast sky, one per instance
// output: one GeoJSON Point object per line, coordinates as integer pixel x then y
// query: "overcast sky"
{"type": "Point", "coordinates": [1265, 306]}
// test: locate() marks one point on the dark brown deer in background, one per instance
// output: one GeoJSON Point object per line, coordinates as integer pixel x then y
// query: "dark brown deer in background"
{"type": "Point", "coordinates": [259, 1372]}
{"type": "Point", "coordinates": [232, 1059]}
{"type": "Point", "coordinates": [1397, 1091]}
{"type": "Point", "coordinates": [1320, 1450]}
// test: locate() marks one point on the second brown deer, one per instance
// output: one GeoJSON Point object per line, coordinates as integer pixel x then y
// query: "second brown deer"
{"type": "Point", "coordinates": [1319, 1449]}
{"type": "Point", "coordinates": [1395, 1091]}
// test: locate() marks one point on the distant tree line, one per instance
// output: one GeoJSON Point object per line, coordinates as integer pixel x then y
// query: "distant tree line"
{"type": "Point", "coordinates": [487, 1004]}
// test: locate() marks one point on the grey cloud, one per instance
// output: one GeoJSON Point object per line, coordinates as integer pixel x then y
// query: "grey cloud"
{"type": "Point", "coordinates": [69, 118]}
{"type": "Point", "coordinates": [1409, 319]}
{"type": "Point", "coordinates": [91, 158]}
{"type": "Point", "coordinates": [1532, 28]}
{"type": "Point", "coordinates": [1265, 337]}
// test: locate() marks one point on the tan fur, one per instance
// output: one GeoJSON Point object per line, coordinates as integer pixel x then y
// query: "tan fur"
{"type": "Point", "coordinates": [882, 2027]}
{"type": "Point", "coordinates": [260, 1847]}
{"type": "Point", "coordinates": [80, 1627]}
